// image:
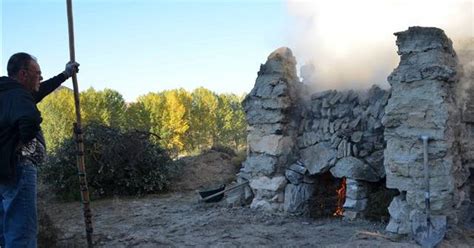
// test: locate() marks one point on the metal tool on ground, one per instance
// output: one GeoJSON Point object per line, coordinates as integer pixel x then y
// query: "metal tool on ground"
{"type": "Point", "coordinates": [81, 168]}
{"type": "Point", "coordinates": [223, 191]}
{"type": "Point", "coordinates": [430, 231]}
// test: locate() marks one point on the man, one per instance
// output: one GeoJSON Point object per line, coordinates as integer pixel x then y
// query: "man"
{"type": "Point", "coordinates": [22, 146]}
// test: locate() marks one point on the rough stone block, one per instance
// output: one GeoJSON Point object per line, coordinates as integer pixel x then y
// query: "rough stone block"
{"type": "Point", "coordinates": [296, 197]}
{"type": "Point", "coordinates": [270, 144]}
{"type": "Point", "coordinates": [316, 158]}
{"type": "Point", "coordinates": [260, 164]}
{"type": "Point", "coordinates": [270, 184]}
{"type": "Point", "coordinates": [298, 167]}
{"type": "Point", "coordinates": [354, 168]}
{"type": "Point", "coordinates": [356, 189]}
{"type": "Point", "coordinates": [294, 177]}
{"type": "Point", "coordinates": [356, 137]}
{"type": "Point", "coordinates": [355, 205]}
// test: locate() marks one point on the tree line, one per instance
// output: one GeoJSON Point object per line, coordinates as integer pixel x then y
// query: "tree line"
{"type": "Point", "coordinates": [182, 122]}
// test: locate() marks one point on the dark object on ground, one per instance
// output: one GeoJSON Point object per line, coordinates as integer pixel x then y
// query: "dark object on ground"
{"type": "Point", "coordinates": [220, 193]}
{"type": "Point", "coordinates": [209, 192]}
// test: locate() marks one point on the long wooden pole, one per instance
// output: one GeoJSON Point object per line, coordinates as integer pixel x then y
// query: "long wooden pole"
{"type": "Point", "coordinates": [79, 135]}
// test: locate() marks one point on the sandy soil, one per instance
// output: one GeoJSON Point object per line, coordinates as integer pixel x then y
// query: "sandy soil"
{"type": "Point", "coordinates": [177, 220]}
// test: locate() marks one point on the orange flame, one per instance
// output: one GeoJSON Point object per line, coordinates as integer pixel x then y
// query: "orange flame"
{"type": "Point", "coordinates": [341, 198]}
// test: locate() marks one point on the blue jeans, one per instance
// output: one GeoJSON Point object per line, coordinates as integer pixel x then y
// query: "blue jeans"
{"type": "Point", "coordinates": [18, 217]}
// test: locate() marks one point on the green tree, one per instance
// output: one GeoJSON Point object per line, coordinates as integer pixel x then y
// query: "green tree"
{"type": "Point", "coordinates": [107, 107]}
{"type": "Point", "coordinates": [58, 117]}
{"type": "Point", "coordinates": [231, 124]}
{"type": "Point", "coordinates": [137, 117]}
{"type": "Point", "coordinates": [154, 105]}
{"type": "Point", "coordinates": [203, 118]}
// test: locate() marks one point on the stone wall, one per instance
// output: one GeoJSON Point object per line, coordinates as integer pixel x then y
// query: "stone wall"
{"type": "Point", "coordinates": [296, 138]}
{"type": "Point", "coordinates": [423, 102]}
{"type": "Point", "coordinates": [341, 132]}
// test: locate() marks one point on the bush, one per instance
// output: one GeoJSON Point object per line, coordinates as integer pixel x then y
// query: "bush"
{"type": "Point", "coordinates": [117, 163]}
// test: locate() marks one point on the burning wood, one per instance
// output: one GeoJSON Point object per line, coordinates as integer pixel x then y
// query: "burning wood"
{"type": "Point", "coordinates": [341, 198]}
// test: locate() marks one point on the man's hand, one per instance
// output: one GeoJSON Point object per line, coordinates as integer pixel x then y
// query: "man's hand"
{"type": "Point", "coordinates": [71, 67]}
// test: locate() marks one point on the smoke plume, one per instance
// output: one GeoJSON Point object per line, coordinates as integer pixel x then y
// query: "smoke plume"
{"type": "Point", "coordinates": [350, 44]}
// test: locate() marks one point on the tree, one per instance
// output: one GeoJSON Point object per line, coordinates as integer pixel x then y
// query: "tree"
{"type": "Point", "coordinates": [231, 124]}
{"type": "Point", "coordinates": [138, 117]}
{"type": "Point", "coordinates": [175, 122]}
{"type": "Point", "coordinates": [58, 116]}
{"type": "Point", "coordinates": [203, 118]}
{"type": "Point", "coordinates": [107, 107]}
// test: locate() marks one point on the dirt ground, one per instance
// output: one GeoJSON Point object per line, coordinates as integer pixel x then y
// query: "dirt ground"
{"type": "Point", "coordinates": [178, 220]}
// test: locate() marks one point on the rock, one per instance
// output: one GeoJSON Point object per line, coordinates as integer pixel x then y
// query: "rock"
{"type": "Point", "coordinates": [356, 137]}
{"type": "Point", "coordinates": [356, 189]}
{"type": "Point", "coordinates": [316, 158]}
{"type": "Point", "coordinates": [335, 98]}
{"type": "Point", "coordinates": [375, 160]}
{"type": "Point", "coordinates": [355, 205]}
{"type": "Point", "coordinates": [310, 138]}
{"type": "Point", "coordinates": [355, 122]}
{"type": "Point", "coordinates": [270, 184]}
{"type": "Point", "coordinates": [341, 149]}
{"type": "Point", "coordinates": [297, 196]}
{"type": "Point", "coordinates": [354, 168]}
{"type": "Point", "coordinates": [294, 177]}
{"type": "Point", "coordinates": [238, 197]}
{"type": "Point", "coordinates": [399, 216]}
{"type": "Point", "coordinates": [265, 205]}
{"type": "Point", "coordinates": [298, 167]}
{"type": "Point", "coordinates": [276, 103]}
{"type": "Point", "coordinates": [420, 39]}
{"type": "Point", "coordinates": [260, 164]}
{"type": "Point", "coordinates": [256, 116]}
{"type": "Point", "coordinates": [351, 215]}
{"type": "Point", "coordinates": [270, 144]}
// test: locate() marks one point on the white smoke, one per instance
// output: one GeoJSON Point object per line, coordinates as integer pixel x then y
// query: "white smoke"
{"type": "Point", "coordinates": [351, 44]}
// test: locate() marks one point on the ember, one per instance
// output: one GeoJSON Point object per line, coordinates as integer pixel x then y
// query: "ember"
{"type": "Point", "coordinates": [341, 198]}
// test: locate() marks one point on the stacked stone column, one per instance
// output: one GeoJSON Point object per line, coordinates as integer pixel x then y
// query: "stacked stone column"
{"type": "Point", "coordinates": [272, 118]}
{"type": "Point", "coordinates": [423, 103]}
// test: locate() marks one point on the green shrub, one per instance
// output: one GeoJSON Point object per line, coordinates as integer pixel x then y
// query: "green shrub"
{"type": "Point", "coordinates": [117, 163]}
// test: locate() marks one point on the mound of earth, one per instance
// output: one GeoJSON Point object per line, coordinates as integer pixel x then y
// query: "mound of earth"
{"type": "Point", "coordinates": [206, 170]}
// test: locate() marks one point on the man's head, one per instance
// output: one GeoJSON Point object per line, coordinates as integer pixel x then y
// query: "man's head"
{"type": "Point", "coordinates": [26, 70]}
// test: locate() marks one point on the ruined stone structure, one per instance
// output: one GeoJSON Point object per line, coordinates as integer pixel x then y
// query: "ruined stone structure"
{"type": "Point", "coordinates": [300, 143]}
{"type": "Point", "coordinates": [272, 124]}
{"type": "Point", "coordinates": [423, 102]}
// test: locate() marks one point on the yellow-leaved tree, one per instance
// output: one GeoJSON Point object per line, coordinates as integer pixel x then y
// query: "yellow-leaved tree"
{"type": "Point", "coordinates": [58, 114]}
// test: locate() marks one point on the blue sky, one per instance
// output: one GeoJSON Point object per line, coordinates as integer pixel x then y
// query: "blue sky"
{"type": "Point", "coordinates": [142, 46]}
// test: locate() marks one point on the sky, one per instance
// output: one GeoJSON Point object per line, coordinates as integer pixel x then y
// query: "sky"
{"type": "Point", "coordinates": [141, 46]}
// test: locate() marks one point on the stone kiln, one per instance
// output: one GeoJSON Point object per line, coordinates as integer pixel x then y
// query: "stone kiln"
{"type": "Point", "coordinates": [304, 149]}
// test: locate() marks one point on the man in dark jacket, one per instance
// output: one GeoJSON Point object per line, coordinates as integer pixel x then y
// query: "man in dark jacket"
{"type": "Point", "coordinates": [22, 146]}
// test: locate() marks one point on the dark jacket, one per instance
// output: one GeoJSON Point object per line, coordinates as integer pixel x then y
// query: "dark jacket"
{"type": "Point", "coordinates": [20, 119]}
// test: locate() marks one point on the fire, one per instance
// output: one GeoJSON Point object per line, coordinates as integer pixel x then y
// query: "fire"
{"type": "Point", "coordinates": [341, 198]}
